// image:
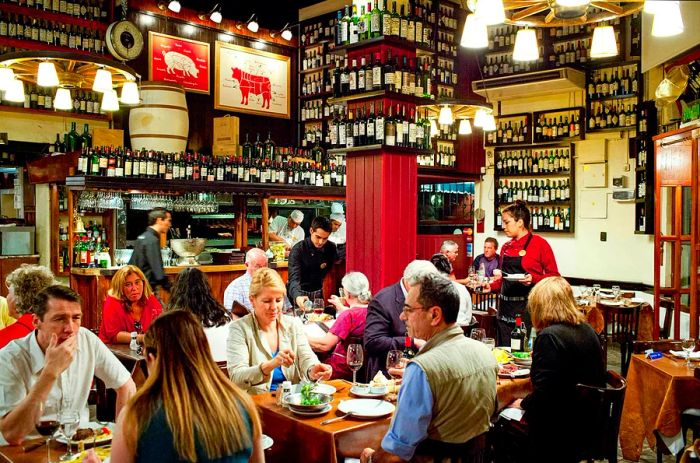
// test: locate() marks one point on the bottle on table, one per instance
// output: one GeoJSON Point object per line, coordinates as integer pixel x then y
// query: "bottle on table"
{"type": "Point", "coordinates": [517, 336]}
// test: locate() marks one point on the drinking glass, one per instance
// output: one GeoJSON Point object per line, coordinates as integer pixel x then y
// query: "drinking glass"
{"type": "Point", "coordinates": [490, 343]}
{"type": "Point", "coordinates": [47, 423]}
{"type": "Point", "coordinates": [69, 420]}
{"type": "Point", "coordinates": [318, 306]}
{"type": "Point", "coordinates": [478, 334]}
{"type": "Point", "coordinates": [616, 292]}
{"type": "Point", "coordinates": [393, 360]}
{"type": "Point", "coordinates": [596, 291]}
{"type": "Point", "coordinates": [354, 358]}
{"type": "Point", "coordinates": [688, 346]}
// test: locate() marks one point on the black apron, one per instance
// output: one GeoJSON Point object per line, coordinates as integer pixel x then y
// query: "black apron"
{"type": "Point", "coordinates": [513, 298]}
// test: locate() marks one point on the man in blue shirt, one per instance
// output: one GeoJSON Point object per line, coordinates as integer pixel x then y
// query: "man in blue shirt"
{"type": "Point", "coordinates": [489, 258]}
{"type": "Point", "coordinates": [449, 389]}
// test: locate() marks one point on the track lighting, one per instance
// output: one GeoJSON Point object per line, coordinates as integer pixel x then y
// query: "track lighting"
{"type": "Point", "coordinates": [174, 6]}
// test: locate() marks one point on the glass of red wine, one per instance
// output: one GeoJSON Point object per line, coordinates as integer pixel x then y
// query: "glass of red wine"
{"type": "Point", "coordinates": [47, 423]}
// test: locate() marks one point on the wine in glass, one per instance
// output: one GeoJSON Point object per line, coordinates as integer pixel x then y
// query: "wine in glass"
{"type": "Point", "coordinates": [393, 360]}
{"type": "Point", "coordinates": [318, 306]}
{"type": "Point", "coordinates": [354, 358]}
{"type": "Point", "coordinates": [688, 346]}
{"type": "Point", "coordinates": [47, 423]}
{"type": "Point", "coordinates": [69, 420]}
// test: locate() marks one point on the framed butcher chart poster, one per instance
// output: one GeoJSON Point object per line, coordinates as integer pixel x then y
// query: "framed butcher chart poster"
{"type": "Point", "coordinates": [251, 81]}
{"type": "Point", "coordinates": [182, 61]}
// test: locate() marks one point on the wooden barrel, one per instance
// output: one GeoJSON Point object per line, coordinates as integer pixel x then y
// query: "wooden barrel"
{"type": "Point", "coordinates": [161, 121]}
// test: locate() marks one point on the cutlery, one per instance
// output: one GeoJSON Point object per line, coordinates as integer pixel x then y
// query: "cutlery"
{"type": "Point", "coordinates": [338, 418]}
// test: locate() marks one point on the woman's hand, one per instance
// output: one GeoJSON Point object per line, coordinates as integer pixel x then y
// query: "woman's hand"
{"type": "Point", "coordinates": [285, 358]}
{"type": "Point", "coordinates": [366, 455]}
{"type": "Point", "coordinates": [527, 281]}
{"type": "Point", "coordinates": [320, 371]}
{"type": "Point", "coordinates": [91, 457]}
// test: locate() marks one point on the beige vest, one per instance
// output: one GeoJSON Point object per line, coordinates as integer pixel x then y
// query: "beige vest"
{"type": "Point", "coordinates": [462, 377]}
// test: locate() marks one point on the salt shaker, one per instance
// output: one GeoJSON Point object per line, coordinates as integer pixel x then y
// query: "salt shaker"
{"type": "Point", "coordinates": [134, 344]}
{"type": "Point", "coordinates": [286, 390]}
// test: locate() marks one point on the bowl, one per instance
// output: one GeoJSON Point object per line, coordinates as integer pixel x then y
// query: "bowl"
{"type": "Point", "coordinates": [360, 389]}
{"type": "Point", "coordinates": [294, 402]}
{"type": "Point", "coordinates": [188, 249]}
{"type": "Point", "coordinates": [378, 389]}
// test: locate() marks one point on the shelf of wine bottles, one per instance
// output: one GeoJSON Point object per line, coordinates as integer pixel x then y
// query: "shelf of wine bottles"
{"type": "Point", "coordinates": [644, 171]}
{"type": "Point", "coordinates": [547, 219]}
{"type": "Point", "coordinates": [511, 129]}
{"type": "Point", "coordinates": [86, 13]}
{"type": "Point", "coordinates": [613, 83]}
{"type": "Point", "coordinates": [612, 116]}
{"type": "Point", "coordinates": [534, 191]}
{"type": "Point", "coordinates": [558, 124]}
{"type": "Point", "coordinates": [533, 161]}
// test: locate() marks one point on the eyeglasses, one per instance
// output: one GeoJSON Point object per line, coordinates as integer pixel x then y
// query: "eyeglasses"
{"type": "Point", "coordinates": [408, 310]}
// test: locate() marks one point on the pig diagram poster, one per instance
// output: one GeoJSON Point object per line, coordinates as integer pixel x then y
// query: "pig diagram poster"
{"type": "Point", "coordinates": [178, 60]}
{"type": "Point", "coordinates": [251, 81]}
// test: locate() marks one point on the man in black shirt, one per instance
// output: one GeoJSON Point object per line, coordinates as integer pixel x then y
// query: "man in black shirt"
{"type": "Point", "coordinates": [309, 262]}
{"type": "Point", "coordinates": [146, 254]}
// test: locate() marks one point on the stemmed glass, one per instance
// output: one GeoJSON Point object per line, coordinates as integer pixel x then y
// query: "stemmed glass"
{"type": "Point", "coordinates": [318, 306]}
{"type": "Point", "coordinates": [355, 358]}
{"type": "Point", "coordinates": [596, 292]}
{"type": "Point", "coordinates": [47, 423]}
{"type": "Point", "coordinates": [616, 292]}
{"type": "Point", "coordinates": [69, 420]}
{"type": "Point", "coordinates": [688, 346]}
{"type": "Point", "coordinates": [393, 360]}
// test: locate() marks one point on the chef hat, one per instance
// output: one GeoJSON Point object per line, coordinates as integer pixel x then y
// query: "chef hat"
{"type": "Point", "coordinates": [336, 208]}
{"type": "Point", "coordinates": [338, 217]}
{"type": "Point", "coordinates": [297, 216]}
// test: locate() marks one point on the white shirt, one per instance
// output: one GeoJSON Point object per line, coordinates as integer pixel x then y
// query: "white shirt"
{"type": "Point", "coordinates": [22, 360]}
{"type": "Point", "coordinates": [239, 290]}
{"type": "Point", "coordinates": [339, 236]}
{"type": "Point", "coordinates": [280, 227]}
{"type": "Point", "coordinates": [217, 336]}
{"type": "Point", "coordinates": [464, 317]}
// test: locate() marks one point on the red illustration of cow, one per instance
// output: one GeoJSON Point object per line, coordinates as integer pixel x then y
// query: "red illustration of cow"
{"type": "Point", "coordinates": [251, 83]}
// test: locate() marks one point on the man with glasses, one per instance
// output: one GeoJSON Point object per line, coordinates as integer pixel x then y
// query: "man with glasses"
{"type": "Point", "coordinates": [449, 389]}
{"type": "Point", "coordinates": [147, 254]}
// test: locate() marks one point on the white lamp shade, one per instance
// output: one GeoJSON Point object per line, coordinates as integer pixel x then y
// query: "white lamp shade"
{"type": "Point", "coordinates": [604, 44]}
{"type": "Point", "coordinates": [480, 117]}
{"type": "Point", "coordinates": [573, 2]}
{"type": "Point", "coordinates": [103, 81]}
{"type": "Point", "coordinates": [490, 11]}
{"type": "Point", "coordinates": [474, 34]}
{"type": "Point", "coordinates": [15, 91]}
{"type": "Point", "coordinates": [445, 115]}
{"type": "Point", "coordinates": [667, 21]}
{"type": "Point", "coordinates": [63, 100]}
{"type": "Point", "coordinates": [47, 77]}
{"type": "Point", "coordinates": [489, 123]}
{"type": "Point", "coordinates": [654, 6]}
{"type": "Point", "coordinates": [216, 17]}
{"type": "Point", "coordinates": [174, 6]}
{"type": "Point", "coordinates": [7, 75]}
{"type": "Point", "coordinates": [434, 132]}
{"type": "Point", "coordinates": [130, 93]}
{"type": "Point", "coordinates": [253, 26]}
{"type": "Point", "coordinates": [109, 101]}
{"type": "Point", "coordinates": [526, 48]}
{"type": "Point", "coordinates": [465, 127]}
{"type": "Point", "coordinates": [287, 35]}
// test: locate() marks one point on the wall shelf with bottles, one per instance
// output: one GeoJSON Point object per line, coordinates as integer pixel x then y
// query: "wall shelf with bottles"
{"type": "Point", "coordinates": [35, 45]}
{"type": "Point", "coordinates": [543, 176]}
{"type": "Point", "coordinates": [377, 147]}
{"type": "Point", "coordinates": [51, 112]}
{"type": "Point", "coordinates": [511, 129]}
{"type": "Point", "coordinates": [83, 20]}
{"type": "Point", "coordinates": [554, 125]}
{"type": "Point", "coordinates": [643, 145]}
{"type": "Point", "coordinates": [613, 93]}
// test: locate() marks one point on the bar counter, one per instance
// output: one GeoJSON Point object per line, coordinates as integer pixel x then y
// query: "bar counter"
{"type": "Point", "coordinates": [93, 283]}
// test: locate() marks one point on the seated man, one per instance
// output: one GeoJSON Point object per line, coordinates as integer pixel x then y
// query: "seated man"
{"type": "Point", "coordinates": [287, 229]}
{"type": "Point", "coordinates": [449, 389]}
{"type": "Point", "coordinates": [239, 289]}
{"type": "Point", "coordinates": [489, 258]}
{"type": "Point", "coordinates": [450, 249]}
{"type": "Point", "coordinates": [56, 361]}
{"type": "Point", "coordinates": [465, 299]}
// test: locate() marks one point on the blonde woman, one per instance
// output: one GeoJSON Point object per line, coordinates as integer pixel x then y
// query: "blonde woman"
{"type": "Point", "coordinates": [130, 306]}
{"type": "Point", "coordinates": [187, 410]}
{"type": "Point", "coordinates": [265, 347]}
{"type": "Point", "coordinates": [566, 352]}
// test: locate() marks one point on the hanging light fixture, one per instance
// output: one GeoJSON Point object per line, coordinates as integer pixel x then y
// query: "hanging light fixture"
{"type": "Point", "coordinates": [654, 6]}
{"type": "Point", "coordinates": [490, 11]}
{"type": "Point", "coordinates": [47, 76]}
{"type": "Point", "coordinates": [15, 91]}
{"type": "Point", "coordinates": [103, 81]}
{"type": "Point", "coordinates": [474, 34]}
{"type": "Point", "coordinates": [489, 123]}
{"type": "Point", "coordinates": [604, 44]}
{"type": "Point", "coordinates": [130, 93]}
{"type": "Point", "coordinates": [668, 21]}
{"type": "Point", "coordinates": [174, 6]}
{"type": "Point", "coordinates": [286, 33]}
{"type": "Point", "coordinates": [110, 101]}
{"type": "Point", "coordinates": [480, 117]}
{"type": "Point", "coordinates": [63, 100]}
{"type": "Point", "coordinates": [216, 14]}
{"type": "Point", "coordinates": [445, 117]}
{"type": "Point", "coordinates": [465, 127]}
{"type": "Point", "coordinates": [251, 24]}
{"type": "Point", "coordinates": [7, 75]}
{"type": "Point", "coordinates": [526, 48]}
{"type": "Point", "coordinates": [434, 132]}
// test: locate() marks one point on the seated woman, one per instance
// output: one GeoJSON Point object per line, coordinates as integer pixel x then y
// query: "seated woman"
{"type": "Point", "coordinates": [349, 328]}
{"type": "Point", "coordinates": [187, 410]}
{"type": "Point", "coordinates": [192, 292]}
{"type": "Point", "coordinates": [566, 352]}
{"type": "Point", "coordinates": [130, 307]}
{"type": "Point", "coordinates": [265, 347]}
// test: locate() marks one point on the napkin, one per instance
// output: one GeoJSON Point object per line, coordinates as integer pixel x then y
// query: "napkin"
{"type": "Point", "coordinates": [513, 413]}
{"type": "Point", "coordinates": [681, 354]}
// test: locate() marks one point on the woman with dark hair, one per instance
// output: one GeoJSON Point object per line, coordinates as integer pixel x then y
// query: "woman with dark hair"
{"type": "Point", "coordinates": [192, 292]}
{"type": "Point", "coordinates": [526, 255]}
{"type": "Point", "coordinates": [130, 307]}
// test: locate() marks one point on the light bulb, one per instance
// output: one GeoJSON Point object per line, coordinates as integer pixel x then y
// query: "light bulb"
{"type": "Point", "coordinates": [445, 117]}
{"type": "Point", "coordinates": [7, 75]}
{"type": "Point", "coordinates": [604, 44]}
{"type": "Point", "coordinates": [490, 11]}
{"type": "Point", "coordinates": [253, 26]}
{"type": "Point", "coordinates": [287, 35]}
{"type": "Point", "coordinates": [15, 91]}
{"type": "Point", "coordinates": [174, 6]}
{"type": "Point", "coordinates": [47, 76]}
{"type": "Point", "coordinates": [474, 34]}
{"type": "Point", "coordinates": [667, 21]}
{"type": "Point", "coordinates": [434, 132]}
{"type": "Point", "coordinates": [465, 127]}
{"type": "Point", "coordinates": [216, 17]}
{"type": "Point", "coordinates": [130, 93]}
{"type": "Point", "coordinates": [63, 100]}
{"type": "Point", "coordinates": [103, 81]}
{"type": "Point", "coordinates": [109, 101]}
{"type": "Point", "coordinates": [489, 123]}
{"type": "Point", "coordinates": [526, 48]}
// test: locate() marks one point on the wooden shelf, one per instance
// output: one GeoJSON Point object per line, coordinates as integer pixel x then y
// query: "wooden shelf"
{"type": "Point", "coordinates": [396, 149]}
{"type": "Point", "coordinates": [618, 97]}
{"type": "Point", "coordinates": [52, 16]}
{"type": "Point", "coordinates": [382, 93]}
{"type": "Point", "coordinates": [316, 96]}
{"type": "Point", "coordinates": [316, 45]}
{"type": "Point", "coordinates": [36, 45]}
{"type": "Point", "coordinates": [318, 69]}
{"type": "Point", "coordinates": [559, 140]}
{"type": "Point", "coordinates": [385, 40]}
{"type": "Point", "coordinates": [312, 121]}
{"type": "Point", "coordinates": [530, 205]}
{"type": "Point", "coordinates": [612, 129]}
{"type": "Point", "coordinates": [565, 173]}
{"type": "Point", "coordinates": [54, 113]}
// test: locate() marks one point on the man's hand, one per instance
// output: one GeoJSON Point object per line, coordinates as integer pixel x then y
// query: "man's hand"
{"type": "Point", "coordinates": [366, 455]}
{"type": "Point", "coordinates": [320, 371]}
{"type": "Point", "coordinates": [59, 356]}
{"type": "Point", "coordinates": [300, 300]}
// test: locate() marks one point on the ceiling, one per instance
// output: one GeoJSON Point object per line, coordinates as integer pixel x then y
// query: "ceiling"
{"type": "Point", "coordinates": [272, 14]}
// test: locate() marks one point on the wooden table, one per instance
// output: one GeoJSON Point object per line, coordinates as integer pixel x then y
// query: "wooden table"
{"type": "Point", "coordinates": [657, 392]}
{"type": "Point", "coordinates": [15, 454]}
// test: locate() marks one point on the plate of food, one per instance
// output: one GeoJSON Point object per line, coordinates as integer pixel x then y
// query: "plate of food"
{"type": "Point", "coordinates": [522, 358]}
{"type": "Point", "coordinates": [321, 388]}
{"type": "Point", "coordinates": [101, 433]}
{"type": "Point", "coordinates": [366, 408]}
{"type": "Point", "coordinates": [319, 412]}
{"type": "Point", "coordinates": [319, 317]}
{"type": "Point", "coordinates": [102, 452]}
{"type": "Point", "coordinates": [512, 371]}
{"type": "Point", "coordinates": [513, 276]}
{"type": "Point", "coordinates": [501, 355]}
{"type": "Point", "coordinates": [695, 356]}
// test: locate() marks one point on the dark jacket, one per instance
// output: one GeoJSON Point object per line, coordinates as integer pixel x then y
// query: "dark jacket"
{"type": "Point", "coordinates": [307, 267]}
{"type": "Point", "coordinates": [147, 257]}
{"type": "Point", "coordinates": [384, 330]}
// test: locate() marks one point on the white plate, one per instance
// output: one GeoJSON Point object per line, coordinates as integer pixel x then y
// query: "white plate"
{"type": "Point", "coordinates": [637, 300]}
{"type": "Point", "coordinates": [92, 425]}
{"type": "Point", "coordinates": [366, 408]}
{"type": "Point", "coordinates": [516, 374]}
{"type": "Point", "coordinates": [323, 411]}
{"type": "Point", "coordinates": [514, 276]}
{"type": "Point", "coordinates": [368, 395]}
{"type": "Point", "coordinates": [526, 362]}
{"type": "Point", "coordinates": [267, 441]}
{"type": "Point", "coordinates": [323, 388]}
{"type": "Point", "coordinates": [612, 303]}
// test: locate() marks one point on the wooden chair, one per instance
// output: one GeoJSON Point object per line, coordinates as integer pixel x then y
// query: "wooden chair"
{"type": "Point", "coordinates": [665, 345]}
{"type": "Point", "coordinates": [607, 403]}
{"type": "Point", "coordinates": [484, 301]}
{"type": "Point", "coordinates": [624, 326]}
{"type": "Point", "coordinates": [431, 451]}
{"type": "Point", "coordinates": [665, 329]}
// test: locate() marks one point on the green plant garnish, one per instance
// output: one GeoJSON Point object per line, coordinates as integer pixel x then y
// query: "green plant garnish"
{"type": "Point", "coordinates": [307, 396]}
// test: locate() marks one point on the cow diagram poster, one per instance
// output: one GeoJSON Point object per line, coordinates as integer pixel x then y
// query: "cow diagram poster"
{"type": "Point", "coordinates": [251, 81]}
{"type": "Point", "coordinates": [181, 61]}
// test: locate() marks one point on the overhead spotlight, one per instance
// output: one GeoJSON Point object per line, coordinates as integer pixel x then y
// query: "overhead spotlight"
{"type": "Point", "coordinates": [252, 23]}
{"type": "Point", "coordinates": [174, 6]}
{"type": "Point", "coordinates": [285, 33]}
{"type": "Point", "coordinates": [215, 14]}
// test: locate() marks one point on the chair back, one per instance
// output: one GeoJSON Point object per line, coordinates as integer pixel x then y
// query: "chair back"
{"type": "Point", "coordinates": [623, 322]}
{"type": "Point", "coordinates": [432, 451]}
{"type": "Point", "coordinates": [605, 404]}
{"type": "Point", "coordinates": [664, 345]}
{"type": "Point", "coordinates": [668, 305]}
{"type": "Point", "coordinates": [484, 301]}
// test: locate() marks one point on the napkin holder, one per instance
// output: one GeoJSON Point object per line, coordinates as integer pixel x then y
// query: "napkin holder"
{"type": "Point", "coordinates": [652, 354]}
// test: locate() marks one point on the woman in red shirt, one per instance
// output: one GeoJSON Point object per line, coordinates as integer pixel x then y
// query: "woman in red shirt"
{"type": "Point", "coordinates": [130, 306]}
{"type": "Point", "coordinates": [525, 254]}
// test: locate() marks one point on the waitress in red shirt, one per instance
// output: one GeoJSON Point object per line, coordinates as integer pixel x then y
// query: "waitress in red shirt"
{"type": "Point", "coordinates": [526, 254]}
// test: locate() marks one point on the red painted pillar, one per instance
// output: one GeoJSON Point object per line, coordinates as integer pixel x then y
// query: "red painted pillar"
{"type": "Point", "coordinates": [381, 195]}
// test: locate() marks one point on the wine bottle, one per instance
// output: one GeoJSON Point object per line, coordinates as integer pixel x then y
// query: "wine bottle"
{"type": "Point", "coordinates": [408, 351]}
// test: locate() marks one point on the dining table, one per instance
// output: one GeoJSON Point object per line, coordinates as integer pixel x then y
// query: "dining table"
{"type": "Point", "coordinates": [657, 392]}
{"type": "Point", "coordinates": [16, 453]}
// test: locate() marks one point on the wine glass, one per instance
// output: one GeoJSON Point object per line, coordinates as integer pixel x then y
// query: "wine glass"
{"type": "Point", "coordinates": [478, 334]}
{"type": "Point", "coordinates": [69, 420]}
{"type": "Point", "coordinates": [394, 360]}
{"type": "Point", "coordinates": [688, 346]}
{"type": "Point", "coordinates": [354, 358]}
{"type": "Point", "coordinates": [596, 292]}
{"type": "Point", "coordinates": [616, 292]}
{"type": "Point", "coordinates": [490, 343]}
{"type": "Point", "coordinates": [318, 306]}
{"type": "Point", "coordinates": [47, 423]}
